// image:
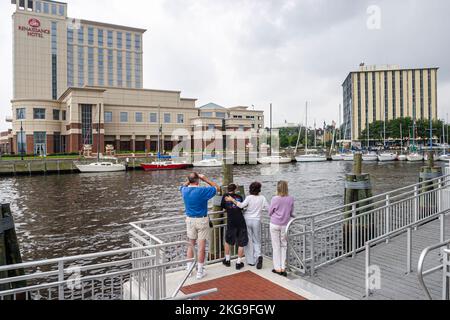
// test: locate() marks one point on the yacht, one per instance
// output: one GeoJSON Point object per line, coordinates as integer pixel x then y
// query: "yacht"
{"type": "Point", "coordinates": [208, 163]}
{"type": "Point", "coordinates": [338, 157]}
{"type": "Point", "coordinates": [387, 156]}
{"type": "Point", "coordinates": [415, 157]}
{"type": "Point", "coordinates": [402, 157]}
{"type": "Point", "coordinates": [370, 157]}
{"type": "Point", "coordinates": [101, 167]}
{"type": "Point", "coordinates": [274, 160]}
{"type": "Point", "coordinates": [164, 165]}
{"type": "Point", "coordinates": [349, 157]}
{"type": "Point", "coordinates": [311, 158]}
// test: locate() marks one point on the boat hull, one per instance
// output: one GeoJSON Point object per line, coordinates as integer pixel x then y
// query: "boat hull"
{"type": "Point", "coordinates": [387, 157]}
{"type": "Point", "coordinates": [415, 158]}
{"type": "Point", "coordinates": [311, 159]}
{"type": "Point", "coordinates": [208, 164]}
{"type": "Point", "coordinates": [370, 158]}
{"type": "Point", "coordinates": [270, 160]}
{"type": "Point", "coordinates": [162, 167]}
{"type": "Point", "coordinates": [337, 157]}
{"type": "Point", "coordinates": [402, 157]}
{"type": "Point", "coordinates": [101, 168]}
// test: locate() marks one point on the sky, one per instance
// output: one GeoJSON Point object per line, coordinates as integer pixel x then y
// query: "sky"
{"type": "Point", "coordinates": [258, 52]}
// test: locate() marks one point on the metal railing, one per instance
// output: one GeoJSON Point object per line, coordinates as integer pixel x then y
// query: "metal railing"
{"type": "Point", "coordinates": [129, 274]}
{"type": "Point", "coordinates": [445, 267]}
{"type": "Point", "coordinates": [318, 240]}
{"type": "Point", "coordinates": [409, 229]}
{"type": "Point", "coordinates": [166, 230]}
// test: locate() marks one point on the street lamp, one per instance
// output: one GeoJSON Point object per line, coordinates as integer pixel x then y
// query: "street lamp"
{"type": "Point", "coordinates": [21, 140]}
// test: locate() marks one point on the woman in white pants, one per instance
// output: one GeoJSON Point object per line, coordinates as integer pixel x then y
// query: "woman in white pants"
{"type": "Point", "coordinates": [254, 204]}
{"type": "Point", "coordinates": [281, 211]}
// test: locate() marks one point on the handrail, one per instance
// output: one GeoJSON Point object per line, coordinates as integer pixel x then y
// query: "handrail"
{"type": "Point", "coordinates": [421, 274]}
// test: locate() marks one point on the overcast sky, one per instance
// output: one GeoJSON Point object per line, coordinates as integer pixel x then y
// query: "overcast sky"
{"type": "Point", "coordinates": [257, 52]}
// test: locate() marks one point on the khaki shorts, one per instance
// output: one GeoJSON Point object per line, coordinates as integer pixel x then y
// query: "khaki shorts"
{"type": "Point", "coordinates": [197, 229]}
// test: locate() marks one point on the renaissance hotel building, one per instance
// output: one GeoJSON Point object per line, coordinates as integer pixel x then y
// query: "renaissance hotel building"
{"type": "Point", "coordinates": [74, 77]}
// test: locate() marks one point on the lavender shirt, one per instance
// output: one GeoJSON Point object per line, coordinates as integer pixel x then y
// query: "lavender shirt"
{"type": "Point", "coordinates": [281, 211]}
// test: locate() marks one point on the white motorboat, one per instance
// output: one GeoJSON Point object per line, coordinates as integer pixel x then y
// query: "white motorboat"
{"type": "Point", "coordinates": [444, 157]}
{"type": "Point", "coordinates": [311, 158]}
{"type": "Point", "coordinates": [274, 160]}
{"type": "Point", "coordinates": [386, 156]}
{"type": "Point", "coordinates": [370, 157]}
{"type": "Point", "coordinates": [349, 157]}
{"type": "Point", "coordinates": [101, 167]}
{"type": "Point", "coordinates": [402, 157]}
{"type": "Point", "coordinates": [208, 163]}
{"type": "Point", "coordinates": [415, 157]}
{"type": "Point", "coordinates": [338, 157]}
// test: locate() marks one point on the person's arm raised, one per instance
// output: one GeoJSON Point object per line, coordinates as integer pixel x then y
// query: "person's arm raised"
{"type": "Point", "coordinates": [209, 182]}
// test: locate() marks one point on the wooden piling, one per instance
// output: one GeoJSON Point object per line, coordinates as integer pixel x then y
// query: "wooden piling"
{"type": "Point", "coordinates": [357, 187]}
{"type": "Point", "coordinates": [10, 251]}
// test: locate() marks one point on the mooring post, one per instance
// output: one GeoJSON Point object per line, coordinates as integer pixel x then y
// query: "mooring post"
{"type": "Point", "coordinates": [357, 187]}
{"type": "Point", "coordinates": [10, 252]}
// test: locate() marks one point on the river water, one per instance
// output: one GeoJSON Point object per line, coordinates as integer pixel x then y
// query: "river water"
{"type": "Point", "coordinates": [64, 215]}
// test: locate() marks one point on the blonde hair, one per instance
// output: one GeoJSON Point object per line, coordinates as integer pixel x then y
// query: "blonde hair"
{"type": "Point", "coordinates": [283, 189]}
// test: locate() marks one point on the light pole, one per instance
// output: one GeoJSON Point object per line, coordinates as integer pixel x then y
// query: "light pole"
{"type": "Point", "coordinates": [21, 140]}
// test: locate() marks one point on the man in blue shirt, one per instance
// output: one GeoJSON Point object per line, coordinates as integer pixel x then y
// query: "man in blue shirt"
{"type": "Point", "coordinates": [196, 203]}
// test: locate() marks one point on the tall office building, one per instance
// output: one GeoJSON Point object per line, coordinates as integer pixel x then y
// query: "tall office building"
{"type": "Point", "coordinates": [68, 70]}
{"type": "Point", "coordinates": [383, 93]}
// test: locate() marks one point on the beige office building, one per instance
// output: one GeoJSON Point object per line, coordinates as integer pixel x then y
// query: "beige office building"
{"type": "Point", "coordinates": [383, 93]}
{"type": "Point", "coordinates": [67, 70]}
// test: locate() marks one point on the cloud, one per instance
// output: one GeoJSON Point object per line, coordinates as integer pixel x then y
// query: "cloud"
{"type": "Point", "coordinates": [257, 52]}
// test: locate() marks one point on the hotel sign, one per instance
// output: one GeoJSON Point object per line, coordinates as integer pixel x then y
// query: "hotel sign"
{"type": "Point", "coordinates": [34, 29]}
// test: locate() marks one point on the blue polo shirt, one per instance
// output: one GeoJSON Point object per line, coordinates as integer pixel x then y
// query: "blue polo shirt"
{"type": "Point", "coordinates": [196, 200]}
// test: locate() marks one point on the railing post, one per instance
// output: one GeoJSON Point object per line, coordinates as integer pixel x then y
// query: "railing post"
{"type": "Point", "coordinates": [367, 275]}
{"type": "Point", "coordinates": [387, 216]}
{"type": "Point", "coordinates": [446, 275]}
{"type": "Point", "coordinates": [439, 195]}
{"type": "Point", "coordinates": [442, 228]}
{"type": "Point", "coordinates": [416, 205]}
{"type": "Point", "coordinates": [313, 254]}
{"type": "Point", "coordinates": [60, 279]}
{"type": "Point", "coordinates": [409, 252]}
{"type": "Point", "coordinates": [353, 230]}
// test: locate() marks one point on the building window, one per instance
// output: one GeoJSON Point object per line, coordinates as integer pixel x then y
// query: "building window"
{"type": "Point", "coordinates": [20, 114]}
{"type": "Point", "coordinates": [207, 114]}
{"type": "Point", "coordinates": [128, 68]}
{"type": "Point", "coordinates": [54, 62]}
{"type": "Point", "coordinates": [137, 42]}
{"type": "Point", "coordinates": [40, 143]}
{"type": "Point", "coordinates": [30, 5]}
{"type": "Point", "coordinates": [80, 66]}
{"type": "Point", "coordinates": [394, 96]}
{"type": "Point", "coordinates": [110, 38]}
{"type": "Point", "coordinates": [386, 97]}
{"type": "Point", "coordinates": [108, 117]}
{"type": "Point", "coordinates": [70, 68]}
{"type": "Point", "coordinates": [241, 127]}
{"type": "Point", "coordinates": [402, 98]}
{"type": "Point", "coordinates": [46, 8]}
{"type": "Point", "coordinates": [110, 67]}
{"type": "Point", "coordinates": [359, 104]}
{"type": "Point", "coordinates": [91, 66]}
{"type": "Point", "coordinates": [414, 94]}
{"type": "Point", "coordinates": [90, 36]}
{"type": "Point", "coordinates": [124, 117]}
{"type": "Point", "coordinates": [100, 37]}
{"type": "Point", "coordinates": [128, 41]}
{"type": "Point", "coordinates": [38, 7]}
{"type": "Point", "coordinates": [430, 98]}
{"type": "Point", "coordinates": [180, 118]}
{"type": "Point", "coordinates": [211, 127]}
{"type": "Point", "coordinates": [366, 95]}
{"type": "Point", "coordinates": [54, 9]}
{"type": "Point", "coordinates": [86, 124]}
{"type": "Point", "coordinates": [57, 142]}
{"type": "Point", "coordinates": [374, 97]}
{"type": "Point", "coordinates": [101, 68]}
{"type": "Point", "coordinates": [119, 40]}
{"type": "Point", "coordinates": [56, 114]}
{"type": "Point", "coordinates": [221, 115]}
{"type": "Point", "coordinates": [61, 10]}
{"type": "Point", "coordinates": [167, 118]}
{"type": "Point", "coordinates": [81, 35]}
{"type": "Point", "coordinates": [139, 117]}
{"type": "Point", "coordinates": [64, 115]}
{"type": "Point", "coordinates": [21, 142]}
{"type": "Point", "coordinates": [422, 105]}
{"type": "Point", "coordinates": [153, 118]}
{"type": "Point", "coordinates": [119, 69]}
{"type": "Point", "coordinates": [39, 114]}
{"type": "Point", "coordinates": [138, 71]}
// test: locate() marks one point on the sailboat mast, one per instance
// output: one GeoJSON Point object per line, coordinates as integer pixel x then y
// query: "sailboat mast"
{"type": "Point", "coordinates": [307, 131]}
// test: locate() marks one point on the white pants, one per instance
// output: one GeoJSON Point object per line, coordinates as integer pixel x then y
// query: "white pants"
{"type": "Point", "coordinates": [279, 245]}
{"type": "Point", "coordinates": [253, 250]}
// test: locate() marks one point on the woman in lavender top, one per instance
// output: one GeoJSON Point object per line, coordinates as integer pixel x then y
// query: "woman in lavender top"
{"type": "Point", "coordinates": [281, 211]}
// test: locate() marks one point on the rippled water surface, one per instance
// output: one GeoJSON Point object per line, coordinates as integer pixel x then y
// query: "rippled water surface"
{"type": "Point", "coordinates": [77, 214]}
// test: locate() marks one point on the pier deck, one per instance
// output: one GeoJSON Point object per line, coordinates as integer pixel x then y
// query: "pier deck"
{"type": "Point", "coordinates": [347, 277]}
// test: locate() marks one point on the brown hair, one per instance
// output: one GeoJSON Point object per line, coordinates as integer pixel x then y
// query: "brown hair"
{"type": "Point", "coordinates": [283, 189]}
{"type": "Point", "coordinates": [255, 188]}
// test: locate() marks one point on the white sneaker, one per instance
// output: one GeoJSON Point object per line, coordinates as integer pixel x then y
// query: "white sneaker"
{"type": "Point", "coordinates": [201, 274]}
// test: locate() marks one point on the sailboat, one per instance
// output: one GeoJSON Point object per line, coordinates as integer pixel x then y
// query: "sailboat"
{"type": "Point", "coordinates": [369, 156]}
{"type": "Point", "coordinates": [444, 156]}
{"type": "Point", "coordinates": [274, 158]}
{"type": "Point", "coordinates": [163, 162]}
{"type": "Point", "coordinates": [309, 157]}
{"type": "Point", "coordinates": [414, 156]}
{"type": "Point", "coordinates": [401, 157]}
{"type": "Point", "coordinates": [100, 166]}
{"type": "Point", "coordinates": [339, 156]}
{"type": "Point", "coordinates": [386, 156]}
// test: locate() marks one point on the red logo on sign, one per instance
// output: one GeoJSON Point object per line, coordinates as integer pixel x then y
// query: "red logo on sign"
{"type": "Point", "coordinates": [35, 23]}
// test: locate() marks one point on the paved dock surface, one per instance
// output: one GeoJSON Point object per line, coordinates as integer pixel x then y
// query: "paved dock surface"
{"type": "Point", "coordinates": [347, 277]}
